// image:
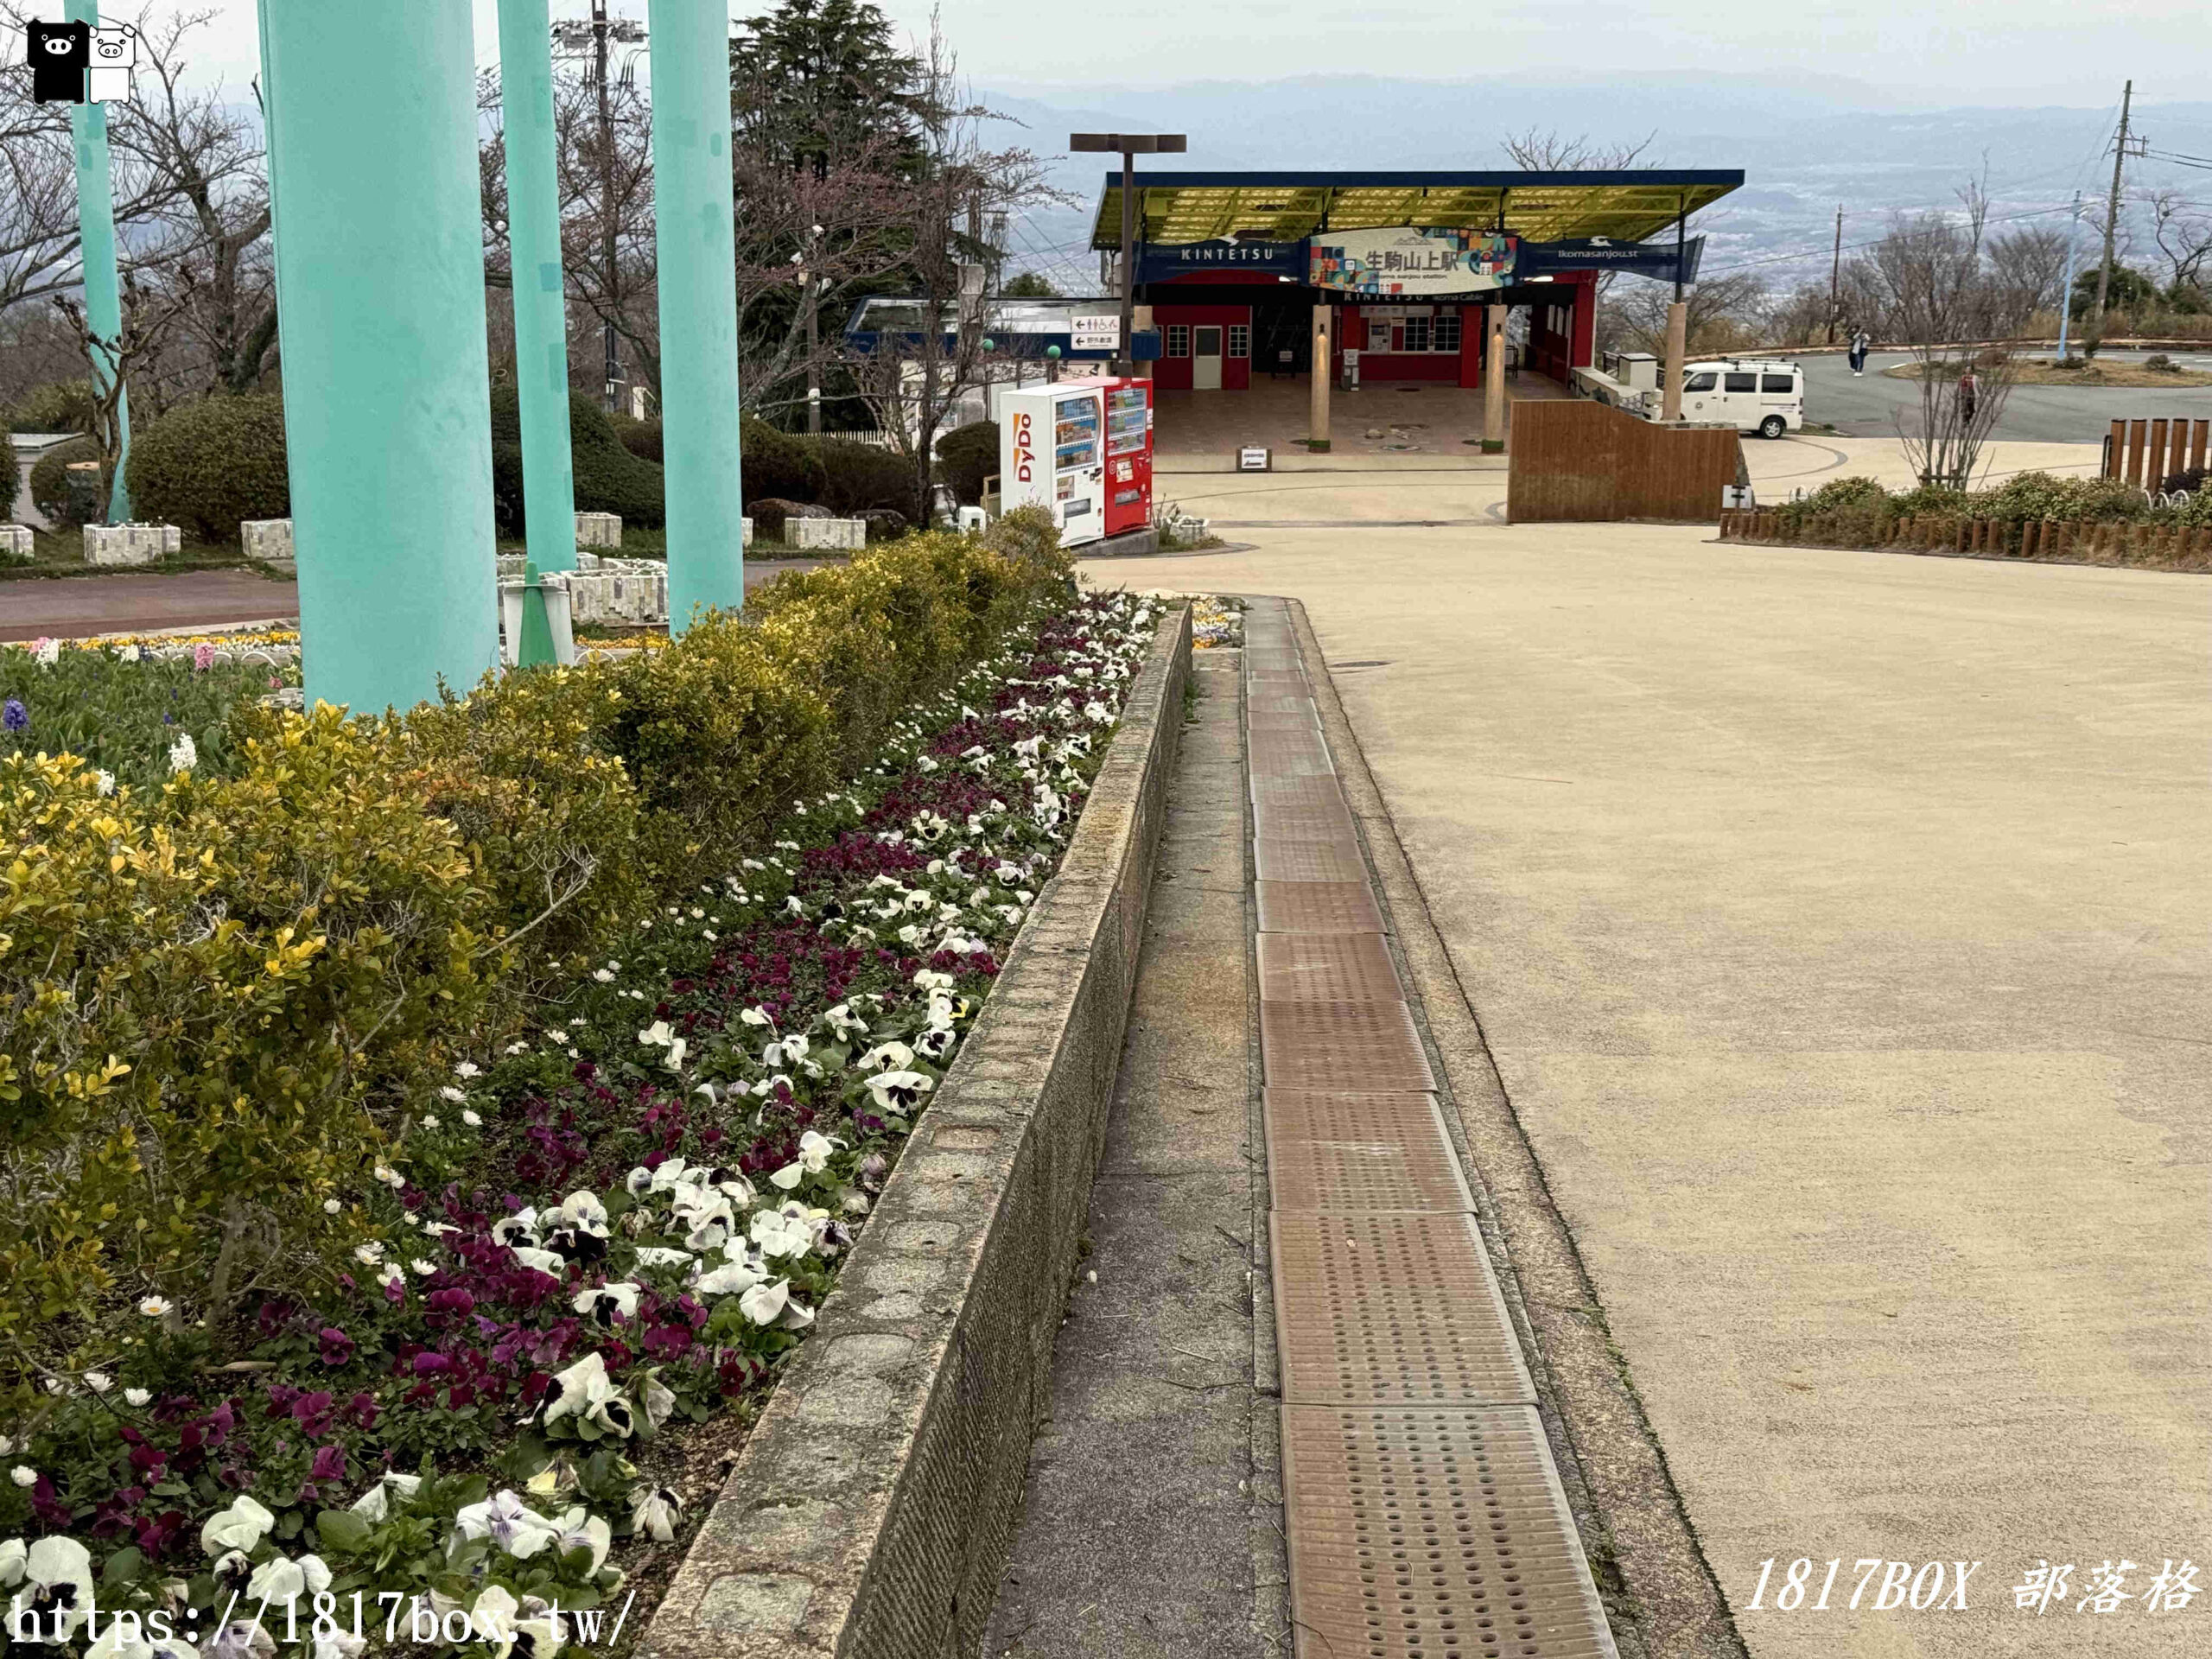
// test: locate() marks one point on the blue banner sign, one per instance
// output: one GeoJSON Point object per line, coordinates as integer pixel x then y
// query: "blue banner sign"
{"type": "Point", "coordinates": [1654, 260]}
{"type": "Point", "coordinates": [1161, 262]}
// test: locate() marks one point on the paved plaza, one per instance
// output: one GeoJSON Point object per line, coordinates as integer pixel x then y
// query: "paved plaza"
{"type": "Point", "coordinates": [1837, 922]}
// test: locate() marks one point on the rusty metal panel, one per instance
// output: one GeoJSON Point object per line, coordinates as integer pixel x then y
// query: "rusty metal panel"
{"type": "Point", "coordinates": [1365, 1152]}
{"type": "Point", "coordinates": [1308, 860]}
{"type": "Point", "coordinates": [1317, 907]}
{"type": "Point", "coordinates": [1327, 968]}
{"type": "Point", "coordinates": [1391, 1308]}
{"type": "Point", "coordinates": [1433, 1534]}
{"type": "Point", "coordinates": [1372, 1045]}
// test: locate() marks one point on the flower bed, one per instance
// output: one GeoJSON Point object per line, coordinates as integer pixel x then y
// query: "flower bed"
{"type": "Point", "coordinates": [137, 713]}
{"type": "Point", "coordinates": [606, 1228]}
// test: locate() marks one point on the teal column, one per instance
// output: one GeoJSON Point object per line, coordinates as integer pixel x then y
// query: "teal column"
{"type": "Point", "coordinates": [541, 313]}
{"type": "Point", "coordinates": [695, 237]}
{"type": "Point", "coordinates": [380, 301]}
{"type": "Point", "coordinates": [96, 233]}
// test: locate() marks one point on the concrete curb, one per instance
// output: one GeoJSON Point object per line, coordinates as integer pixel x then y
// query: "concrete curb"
{"type": "Point", "coordinates": [871, 1511]}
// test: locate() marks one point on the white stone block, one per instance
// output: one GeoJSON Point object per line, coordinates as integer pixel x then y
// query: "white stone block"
{"type": "Point", "coordinates": [131, 544]}
{"type": "Point", "coordinates": [846, 534]}
{"type": "Point", "coordinates": [599, 529]}
{"type": "Point", "coordinates": [15, 544]}
{"type": "Point", "coordinates": [748, 540]}
{"type": "Point", "coordinates": [266, 540]}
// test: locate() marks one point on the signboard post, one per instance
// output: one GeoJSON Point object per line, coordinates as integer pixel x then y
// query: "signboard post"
{"type": "Point", "coordinates": [1096, 334]}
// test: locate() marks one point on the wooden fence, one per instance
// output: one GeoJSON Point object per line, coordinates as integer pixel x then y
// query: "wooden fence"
{"type": "Point", "coordinates": [2108, 542]}
{"type": "Point", "coordinates": [1577, 459]}
{"type": "Point", "coordinates": [2145, 452]}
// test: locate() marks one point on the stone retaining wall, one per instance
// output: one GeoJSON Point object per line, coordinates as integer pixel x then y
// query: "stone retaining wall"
{"type": "Point", "coordinates": [870, 1514]}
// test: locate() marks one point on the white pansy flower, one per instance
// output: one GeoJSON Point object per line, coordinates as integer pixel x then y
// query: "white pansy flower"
{"type": "Point", "coordinates": [24, 1475]}
{"type": "Point", "coordinates": [764, 1303]}
{"type": "Point", "coordinates": [604, 1303]}
{"type": "Point", "coordinates": [242, 1526]}
{"type": "Point", "coordinates": [60, 1574]}
{"type": "Point", "coordinates": [99, 1381]}
{"type": "Point", "coordinates": [279, 1580]}
{"type": "Point", "coordinates": [577, 1390]}
{"type": "Point", "coordinates": [508, 1523]}
{"type": "Point", "coordinates": [137, 1396]}
{"type": "Point", "coordinates": [471, 1120]}
{"type": "Point", "coordinates": [654, 1512]}
{"type": "Point", "coordinates": [581, 1529]}
{"type": "Point", "coordinates": [658, 1034]}
{"type": "Point", "coordinates": [375, 1503]}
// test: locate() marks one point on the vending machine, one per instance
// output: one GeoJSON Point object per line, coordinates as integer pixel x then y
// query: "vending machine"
{"type": "Point", "coordinates": [1082, 450]}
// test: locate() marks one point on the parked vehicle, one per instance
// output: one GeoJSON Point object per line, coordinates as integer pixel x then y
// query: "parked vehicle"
{"type": "Point", "coordinates": [1757, 394]}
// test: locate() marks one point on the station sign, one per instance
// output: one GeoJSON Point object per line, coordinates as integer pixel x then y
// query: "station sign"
{"type": "Point", "coordinates": [1410, 259]}
{"type": "Point", "coordinates": [1161, 262]}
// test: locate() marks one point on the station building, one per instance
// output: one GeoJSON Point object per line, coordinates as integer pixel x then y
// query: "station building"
{"type": "Point", "coordinates": [1248, 281]}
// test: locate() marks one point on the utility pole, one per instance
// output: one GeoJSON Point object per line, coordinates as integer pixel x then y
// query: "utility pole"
{"type": "Point", "coordinates": [2066, 297]}
{"type": "Point", "coordinates": [606, 239]}
{"type": "Point", "coordinates": [2112, 219]}
{"type": "Point", "coordinates": [1130, 146]}
{"type": "Point", "coordinates": [1835, 274]}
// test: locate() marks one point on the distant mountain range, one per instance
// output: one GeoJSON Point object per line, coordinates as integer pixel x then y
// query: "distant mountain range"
{"type": "Point", "coordinates": [1805, 146]}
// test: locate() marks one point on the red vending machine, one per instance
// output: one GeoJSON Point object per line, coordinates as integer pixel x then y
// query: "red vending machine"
{"type": "Point", "coordinates": [1128, 455]}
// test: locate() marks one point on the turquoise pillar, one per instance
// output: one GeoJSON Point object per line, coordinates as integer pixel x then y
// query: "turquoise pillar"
{"type": "Point", "coordinates": [380, 301]}
{"type": "Point", "coordinates": [541, 313]}
{"type": "Point", "coordinates": [696, 239]}
{"type": "Point", "coordinates": [96, 231]}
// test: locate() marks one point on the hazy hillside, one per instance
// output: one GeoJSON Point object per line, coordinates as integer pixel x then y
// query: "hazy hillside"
{"type": "Point", "coordinates": [1805, 147]}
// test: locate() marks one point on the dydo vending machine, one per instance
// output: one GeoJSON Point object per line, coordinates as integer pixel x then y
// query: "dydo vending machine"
{"type": "Point", "coordinates": [1082, 450]}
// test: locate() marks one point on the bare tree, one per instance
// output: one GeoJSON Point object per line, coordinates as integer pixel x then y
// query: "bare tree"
{"type": "Point", "coordinates": [2183, 231]}
{"type": "Point", "coordinates": [1929, 269]}
{"type": "Point", "coordinates": [1724, 314]}
{"type": "Point", "coordinates": [1544, 149]}
{"type": "Point", "coordinates": [915, 380]}
{"type": "Point", "coordinates": [2026, 269]}
{"type": "Point", "coordinates": [146, 315]}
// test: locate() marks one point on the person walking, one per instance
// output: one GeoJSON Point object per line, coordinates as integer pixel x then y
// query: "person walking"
{"type": "Point", "coordinates": [1969, 394]}
{"type": "Point", "coordinates": [1860, 344]}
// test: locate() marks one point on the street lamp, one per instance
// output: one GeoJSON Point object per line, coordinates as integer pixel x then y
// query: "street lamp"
{"type": "Point", "coordinates": [1130, 145]}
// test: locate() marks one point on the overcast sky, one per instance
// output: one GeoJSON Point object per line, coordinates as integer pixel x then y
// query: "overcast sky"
{"type": "Point", "coordinates": [1982, 52]}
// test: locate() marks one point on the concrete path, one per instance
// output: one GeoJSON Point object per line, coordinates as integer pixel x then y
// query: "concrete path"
{"type": "Point", "coordinates": [1837, 922]}
{"type": "Point", "coordinates": [1152, 1526]}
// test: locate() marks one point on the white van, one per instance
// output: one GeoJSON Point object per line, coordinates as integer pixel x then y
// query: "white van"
{"type": "Point", "coordinates": [1756, 394]}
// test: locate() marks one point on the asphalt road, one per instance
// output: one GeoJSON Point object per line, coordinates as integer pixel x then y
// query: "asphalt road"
{"type": "Point", "coordinates": [1868, 406]}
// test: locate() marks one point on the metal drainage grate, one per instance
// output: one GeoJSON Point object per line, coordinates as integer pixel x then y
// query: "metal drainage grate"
{"type": "Point", "coordinates": [1330, 859]}
{"type": "Point", "coordinates": [1317, 907]}
{"type": "Point", "coordinates": [1361, 1152]}
{"type": "Point", "coordinates": [1348, 1045]}
{"type": "Point", "coordinates": [1316, 793]}
{"type": "Point", "coordinates": [1327, 968]}
{"type": "Point", "coordinates": [1433, 1534]}
{"type": "Point", "coordinates": [1395, 1308]}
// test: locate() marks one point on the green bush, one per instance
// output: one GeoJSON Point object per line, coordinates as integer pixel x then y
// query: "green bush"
{"type": "Point", "coordinates": [50, 478]}
{"type": "Point", "coordinates": [59, 406]}
{"type": "Point", "coordinates": [207, 466]}
{"type": "Point", "coordinates": [2029, 496]}
{"type": "Point", "coordinates": [640, 438]}
{"type": "Point", "coordinates": [217, 998]}
{"type": "Point", "coordinates": [966, 456]}
{"type": "Point", "coordinates": [860, 476]}
{"type": "Point", "coordinates": [608, 478]}
{"type": "Point", "coordinates": [777, 466]}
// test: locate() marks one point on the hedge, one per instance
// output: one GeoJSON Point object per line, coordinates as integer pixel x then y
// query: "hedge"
{"type": "Point", "coordinates": [207, 467]}
{"type": "Point", "coordinates": [860, 476]}
{"type": "Point", "coordinates": [967, 456]}
{"type": "Point", "coordinates": [1859, 506]}
{"type": "Point", "coordinates": [779, 465]}
{"type": "Point", "coordinates": [50, 478]}
{"type": "Point", "coordinates": [608, 478]}
{"type": "Point", "coordinates": [217, 1001]}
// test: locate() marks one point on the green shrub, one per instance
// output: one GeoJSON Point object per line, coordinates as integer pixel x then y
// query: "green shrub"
{"type": "Point", "coordinates": [860, 476]}
{"type": "Point", "coordinates": [217, 997]}
{"type": "Point", "coordinates": [2028, 496]}
{"type": "Point", "coordinates": [209, 466]}
{"type": "Point", "coordinates": [640, 438]}
{"type": "Point", "coordinates": [59, 406]}
{"type": "Point", "coordinates": [777, 466]}
{"type": "Point", "coordinates": [608, 478]}
{"type": "Point", "coordinates": [50, 478]}
{"type": "Point", "coordinates": [966, 456]}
